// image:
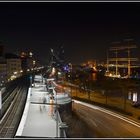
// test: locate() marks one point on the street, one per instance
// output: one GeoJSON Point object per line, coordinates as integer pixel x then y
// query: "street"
{"type": "Point", "coordinates": [106, 125]}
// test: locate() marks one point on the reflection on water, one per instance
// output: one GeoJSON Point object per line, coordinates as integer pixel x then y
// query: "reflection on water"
{"type": "Point", "coordinates": [94, 76]}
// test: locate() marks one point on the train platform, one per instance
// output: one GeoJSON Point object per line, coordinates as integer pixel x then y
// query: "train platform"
{"type": "Point", "coordinates": [40, 117]}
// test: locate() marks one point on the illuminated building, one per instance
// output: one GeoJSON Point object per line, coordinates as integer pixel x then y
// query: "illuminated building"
{"type": "Point", "coordinates": [23, 57]}
{"type": "Point", "coordinates": [3, 72]}
{"type": "Point", "coordinates": [27, 61]}
{"type": "Point", "coordinates": [13, 66]}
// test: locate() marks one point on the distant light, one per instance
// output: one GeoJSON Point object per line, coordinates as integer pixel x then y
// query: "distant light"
{"type": "Point", "coordinates": [21, 71]}
{"type": "Point", "coordinates": [30, 54]}
{"type": "Point", "coordinates": [135, 97]}
{"type": "Point", "coordinates": [59, 73]}
{"type": "Point", "coordinates": [23, 54]}
{"type": "Point", "coordinates": [52, 50]}
{"type": "Point", "coordinates": [66, 68]}
{"type": "Point", "coordinates": [34, 62]}
{"type": "Point", "coordinates": [28, 69]}
{"type": "Point", "coordinates": [13, 77]}
{"type": "Point", "coordinates": [94, 68]}
{"type": "Point", "coordinates": [15, 72]}
{"type": "Point", "coordinates": [53, 70]}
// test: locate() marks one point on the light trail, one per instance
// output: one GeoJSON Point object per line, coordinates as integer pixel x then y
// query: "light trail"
{"type": "Point", "coordinates": [110, 113]}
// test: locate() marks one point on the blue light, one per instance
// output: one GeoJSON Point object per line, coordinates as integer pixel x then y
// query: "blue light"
{"type": "Point", "coordinates": [66, 68]}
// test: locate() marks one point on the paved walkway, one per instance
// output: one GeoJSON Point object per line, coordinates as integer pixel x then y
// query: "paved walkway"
{"type": "Point", "coordinates": [38, 120]}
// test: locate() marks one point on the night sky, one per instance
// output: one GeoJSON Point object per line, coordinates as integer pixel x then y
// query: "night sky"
{"type": "Point", "coordinates": [85, 30]}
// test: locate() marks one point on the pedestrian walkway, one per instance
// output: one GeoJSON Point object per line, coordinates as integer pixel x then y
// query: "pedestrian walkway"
{"type": "Point", "coordinates": [39, 118]}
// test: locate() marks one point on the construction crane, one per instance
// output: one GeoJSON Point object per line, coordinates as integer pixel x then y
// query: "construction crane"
{"type": "Point", "coordinates": [57, 59]}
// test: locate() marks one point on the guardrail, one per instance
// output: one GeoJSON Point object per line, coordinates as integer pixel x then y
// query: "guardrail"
{"type": "Point", "coordinates": [62, 126]}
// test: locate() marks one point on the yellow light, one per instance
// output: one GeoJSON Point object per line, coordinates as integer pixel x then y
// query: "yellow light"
{"type": "Point", "coordinates": [59, 73]}
{"type": "Point", "coordinates": [53, 71]}
{"type": "Point", "coordinates": [34, 62]}
{"type": "Point", "coordinates": [94, 68]}
{"type": "Point", "coordinates": [13, 77]}
{"type": "Point", "coordinates": [15, 72]}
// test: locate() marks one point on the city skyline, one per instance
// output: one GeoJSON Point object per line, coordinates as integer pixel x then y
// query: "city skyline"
{"type": "Point", "coordinates": [85, 30]}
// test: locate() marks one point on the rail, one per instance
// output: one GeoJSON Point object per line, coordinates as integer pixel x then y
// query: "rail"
{"type": "Point", "coordinates": [60, 122]}
{"type": "Point", "coordinates": [7, 101]}
{"type": "Point", "coordinates": [9, 122]}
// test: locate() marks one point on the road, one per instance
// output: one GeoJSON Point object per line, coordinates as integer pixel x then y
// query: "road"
{"type": "Point", "coordinates": [105, 123]}
{"type": "Point", "coordinates": [116, 103]}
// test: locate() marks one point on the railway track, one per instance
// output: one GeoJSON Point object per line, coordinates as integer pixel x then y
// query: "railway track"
{"type": "Point", "coordinates": [6, 94]}
{"type": "Point", "coordinates": [10, 121]}
{"type": "Point", "coordinates": [7, 100]}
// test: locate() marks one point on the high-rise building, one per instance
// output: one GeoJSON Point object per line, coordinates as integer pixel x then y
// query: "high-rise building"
{"type": "Point", "coordinates": [27, 61]}
{"type": "Point", "coordinates": [30, 61]}
{"type": "Point", "coordinates": [24, 65]}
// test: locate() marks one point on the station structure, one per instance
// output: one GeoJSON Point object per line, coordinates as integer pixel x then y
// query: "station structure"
{"type": "Point", "coordinates": [41, 117]}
